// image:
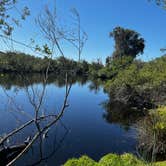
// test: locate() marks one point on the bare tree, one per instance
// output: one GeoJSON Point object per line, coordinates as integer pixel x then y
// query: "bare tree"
{"type": "Point", "coordinates": [54, 33]}
{"type": "Point", "coordinates": [36, 97]}
{"type": "Point", "coordinates": [41, 131]}
{"type": "Point", "coordinates": [48, 23]}
{"type": "Point", "coordinates": [77, 36]}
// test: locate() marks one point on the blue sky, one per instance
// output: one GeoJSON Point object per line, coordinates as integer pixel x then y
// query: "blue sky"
{"type": "Point", "coordinates": [98, 18]}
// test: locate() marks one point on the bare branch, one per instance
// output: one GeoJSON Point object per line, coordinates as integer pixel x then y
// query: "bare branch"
{"type": "Point", "coordinates": [68, 88]}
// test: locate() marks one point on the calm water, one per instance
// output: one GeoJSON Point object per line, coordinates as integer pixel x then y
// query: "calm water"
{"type": "Point", "coordinates": [83, 129]}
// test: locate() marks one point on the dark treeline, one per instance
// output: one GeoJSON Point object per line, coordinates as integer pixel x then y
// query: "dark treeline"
{"type": "Point", "coordinates": [23, 63]}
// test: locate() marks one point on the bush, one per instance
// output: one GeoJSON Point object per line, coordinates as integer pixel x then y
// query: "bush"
{"type": "Point", "coordinates": [104, 73]}
{"type": "Point", "coordinates": [152, 134]}
{"type": "Point", "coordinates": [107, 160]}
{"type": "Point", "coordinates": [147, 78]}
{"type": "Point", "coordinates": [82, 161]}
{"type": "Point", "coordinates": [112, 160]}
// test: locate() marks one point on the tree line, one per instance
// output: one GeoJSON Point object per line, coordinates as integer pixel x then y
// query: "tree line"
{"type": "Point", "coordinates": [24, 63]}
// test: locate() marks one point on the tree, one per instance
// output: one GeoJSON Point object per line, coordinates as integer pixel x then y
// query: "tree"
{"type": "Point", "coordinates": [127, 43]}
{"type": "Point", "coordinates": [77, 37]}
{"type": "Point", "coordinates": [7, 21]}
{"type": "Point", "coordinates": [34, 95]}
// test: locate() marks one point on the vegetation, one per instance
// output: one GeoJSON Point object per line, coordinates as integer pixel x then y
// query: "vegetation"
{"type": "Point", "coordinates": [7, 21]}
{"type": "Point", "coordinates": [119, 113]}
{"type": "Point", "coordinates": [110, 160]}
{"type": "Point", "coordinates": [7, 81]}
{"type": "Point", "coordinates": [123, 78]}
{"type": "Point", "coordinates": [23, 63]}
{"type": "Point", "coordinates": [146, 78]}
{"type": "Point", "coordinates": [129, 81]}
{"type": "Point", "coordinates": [127, 42]}
{"type": "Point", "coordinates": [152, 134]}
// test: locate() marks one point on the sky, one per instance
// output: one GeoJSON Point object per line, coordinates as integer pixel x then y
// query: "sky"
{"type": "Point", "coordinates": [98, 19]}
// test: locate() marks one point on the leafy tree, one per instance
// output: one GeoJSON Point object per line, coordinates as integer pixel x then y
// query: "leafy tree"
{"type": "Point", "coordinates": [7, 21]}
{"type": "Point", "coordinates": [127, 43]}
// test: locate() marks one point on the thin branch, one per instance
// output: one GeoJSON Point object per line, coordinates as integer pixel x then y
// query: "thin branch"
{"type": "Point", "coordinates": [68, 88]}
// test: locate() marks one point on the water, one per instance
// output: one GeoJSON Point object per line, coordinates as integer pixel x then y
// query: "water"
{"type": "Point", "coordinates": [83, 129]}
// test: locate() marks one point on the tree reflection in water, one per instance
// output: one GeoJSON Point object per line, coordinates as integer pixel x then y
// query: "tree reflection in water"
{"type": "Point", "coordinates": [11, 151]}
{"type": "Point", "coordinates": [119, 113]}
{"type": "Point", "coordinates": [56, 146]}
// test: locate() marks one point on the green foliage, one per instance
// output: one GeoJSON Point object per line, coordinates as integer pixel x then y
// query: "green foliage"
{"type": "Point", "coordinates": [119, 63]}
{"type": "Point", "coordinates": [160, 116]}
{"type": "Point", "coordinates": [104, 73]}
{"type": "Point", "coordinates": [129, 159]}
{"type": "Point", "coordinates": [127, 76]}
{"type": "Point", "coordinates": [82, 161]}
{"type": "Point", "coordinates": [113, 66]}
{"type": "Point", "coordinates": [107, 160]}
{"type": "Point", "coordinates": [162, 163]}
{"type": "Point", "coordinates": [127, 42]}
{"type": "Point", "coordinates": [152, 132]}
{"type": "Point", "coordinates": [94, 68]}
{"type": "Point", "coordinates": [112, 160]}
{"type": "Point", "coordinates": [20, 62]}
{"type": "Point", "coordinates": [82, 67]}
{"type": "Point", "coordinates": [142, 76]}
{"type": "Point", "coordinates": [153, 73]}
{"type": "Point", "coordinates": [7, 21]}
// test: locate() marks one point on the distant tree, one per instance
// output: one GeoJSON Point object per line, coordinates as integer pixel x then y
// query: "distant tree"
{"type": "Point", "coordinates": [127, 43]}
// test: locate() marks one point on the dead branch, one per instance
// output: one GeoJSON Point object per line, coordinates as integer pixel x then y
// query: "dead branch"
{"type": "Point", "coordinates": [77, 37]}
{"type": "Point", "coordinates": [68, 88]}
{"type": "Point", "coordinates": [22, 127]}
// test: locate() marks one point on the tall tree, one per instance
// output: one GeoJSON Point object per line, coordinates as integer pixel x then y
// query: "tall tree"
{"type": "Point", "coordinates": [127, 43]}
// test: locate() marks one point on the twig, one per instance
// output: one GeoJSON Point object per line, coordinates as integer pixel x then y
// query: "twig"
{"type": "Point", "coordinates": [46, 127]}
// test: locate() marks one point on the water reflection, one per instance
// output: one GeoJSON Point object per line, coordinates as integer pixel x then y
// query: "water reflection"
{"type": "Point", "coordinates": [95, 85]}
{"type": "Point", "coordinates": [24, 80]}
{"type": "Point", "coordinates": [44, 155]}
{"type": "Point", "coordinates": [89, 133]}
{"type": "Point", "coordinates": [11, 153]}
{"type": "Point", "coordinates": [56, 145]}
{"type": "Point", "coordinates": [119, 113]}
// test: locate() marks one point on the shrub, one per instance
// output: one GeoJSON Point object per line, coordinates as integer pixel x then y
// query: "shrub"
{"type": "Point", "coordinates": [82, 161]}
{"type": "Point", "coordinates": [107, 160]}
{"type": "Point", "coordinates": [152, 134]}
